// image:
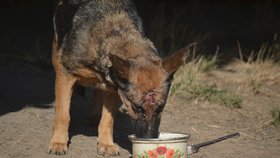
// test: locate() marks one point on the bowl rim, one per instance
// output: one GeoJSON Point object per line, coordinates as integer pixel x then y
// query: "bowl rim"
{"type": "Point", "coordinates": [184, 137]}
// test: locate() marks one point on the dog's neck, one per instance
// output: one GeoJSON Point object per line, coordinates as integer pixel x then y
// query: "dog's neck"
{"type": "Point", "coordinates": [129, 43]}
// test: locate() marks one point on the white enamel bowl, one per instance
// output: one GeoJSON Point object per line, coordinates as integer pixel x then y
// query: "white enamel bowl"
{"type": "Point", "coordinates": [167, 145]}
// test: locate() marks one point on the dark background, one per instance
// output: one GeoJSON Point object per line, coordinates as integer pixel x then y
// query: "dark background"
{"type": "Point", "coordinates": [26, 27]}
{"type": "Point", "coordinates": [26, 74]}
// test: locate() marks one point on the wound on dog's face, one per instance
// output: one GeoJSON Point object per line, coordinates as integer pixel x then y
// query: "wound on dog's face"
{"type": "Point", "coordinates": [144, 91]}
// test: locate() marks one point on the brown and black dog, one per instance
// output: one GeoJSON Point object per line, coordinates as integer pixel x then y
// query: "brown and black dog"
{"type": "Point", "coordinates": [100, 43]}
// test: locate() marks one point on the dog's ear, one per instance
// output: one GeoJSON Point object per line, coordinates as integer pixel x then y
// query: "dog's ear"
{"type": "Point", "coordinates": [120, 65]}
{"type": "Point", "coordinates": [172, 63]}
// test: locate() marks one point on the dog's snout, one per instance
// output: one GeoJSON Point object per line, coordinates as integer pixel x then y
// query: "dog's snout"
{"type": "Point", "coordinates": [146, 128]}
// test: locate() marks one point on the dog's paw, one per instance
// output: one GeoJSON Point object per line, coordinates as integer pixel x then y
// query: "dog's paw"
{"type": "Point", "coordinates": [108, 150]}
{"type": "Point", "coordinates": [58, 148]}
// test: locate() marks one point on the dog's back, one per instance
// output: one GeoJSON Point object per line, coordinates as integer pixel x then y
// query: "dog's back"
{"type": "Point", "coordinates": [81, 15]}
{"type": "Point", "coordinates": [83, 26]}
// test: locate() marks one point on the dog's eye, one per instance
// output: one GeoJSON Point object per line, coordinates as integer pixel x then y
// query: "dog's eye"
{"type": "Point", "coordinates": [169, 78]}
{"type": "Point", "coordinates": [138, 108]}
{"type": "Point", "coordinates": [123, 83]}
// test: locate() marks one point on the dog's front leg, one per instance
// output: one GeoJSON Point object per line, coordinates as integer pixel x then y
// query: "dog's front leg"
{"type": "Point", "coordinates": [63, 92]}
{"type": "Point", "coordinates": [106, 145]}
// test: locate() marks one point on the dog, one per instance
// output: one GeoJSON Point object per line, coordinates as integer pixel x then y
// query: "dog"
{"type": "Point", "coordinates": [101, 44]}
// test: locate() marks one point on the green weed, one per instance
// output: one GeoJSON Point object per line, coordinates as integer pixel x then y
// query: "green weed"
{"type": "Point", "coordinates": [188, 74]}
{"type": "Point", "coordinates": [213, 94]}
{"type": "Point", "coordinates": [275, 116]}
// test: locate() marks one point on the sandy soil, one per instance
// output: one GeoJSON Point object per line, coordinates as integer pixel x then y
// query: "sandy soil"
{"type": "Point", "coordinates": [26, 119]}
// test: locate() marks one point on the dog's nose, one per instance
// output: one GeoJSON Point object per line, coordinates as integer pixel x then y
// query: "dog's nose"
{"type": "Point", "coordinates": [146, 129]}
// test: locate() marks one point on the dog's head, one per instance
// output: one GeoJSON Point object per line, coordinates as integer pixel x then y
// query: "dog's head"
{"type": "Point", "coordinates": [143, 86]}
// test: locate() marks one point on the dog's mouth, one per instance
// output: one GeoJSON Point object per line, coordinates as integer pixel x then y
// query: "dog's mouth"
{"type": "Point", "coordinates": [145, 121]}
{"type": "Point", "coordinates": [145, 128]}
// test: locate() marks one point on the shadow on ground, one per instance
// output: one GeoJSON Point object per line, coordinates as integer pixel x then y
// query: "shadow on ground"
{"type": "Point", "coordinates": [84, 121]}
{"type": "Point", "coordinates": [20, 89]}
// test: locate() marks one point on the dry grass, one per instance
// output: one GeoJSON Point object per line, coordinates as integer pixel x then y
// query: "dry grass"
{"type": "Point", "coordinates": [256, 75]}
{"type": "Point", "coordinates": [190, 82]}
{"type": "Point", "coordinates": [260, 68]}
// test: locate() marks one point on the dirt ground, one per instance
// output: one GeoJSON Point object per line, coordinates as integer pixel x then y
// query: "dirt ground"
{"type": "Point", "coordinates": [26, 120]}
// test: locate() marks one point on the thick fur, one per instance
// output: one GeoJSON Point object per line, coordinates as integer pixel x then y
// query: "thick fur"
{"type": "Point", "coordinates": [100, 43]}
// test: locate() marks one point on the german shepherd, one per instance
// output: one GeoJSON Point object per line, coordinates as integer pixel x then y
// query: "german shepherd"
{"type": "Point", "coordinates": [101, 43]}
